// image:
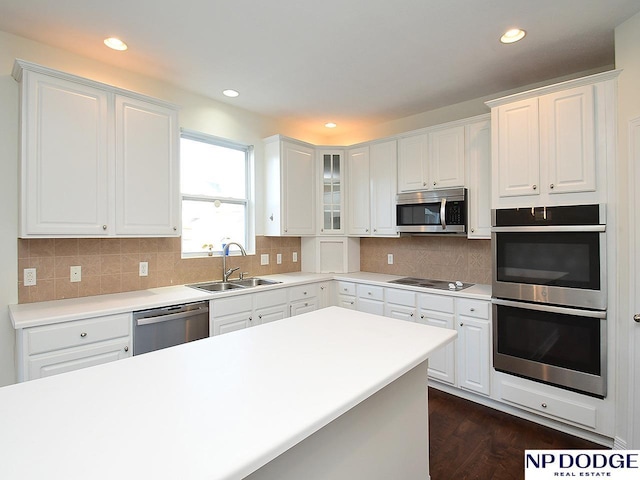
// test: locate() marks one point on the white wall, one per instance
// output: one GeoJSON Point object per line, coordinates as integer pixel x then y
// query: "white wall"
{"type": "Point", "coordinates": [627, 41]}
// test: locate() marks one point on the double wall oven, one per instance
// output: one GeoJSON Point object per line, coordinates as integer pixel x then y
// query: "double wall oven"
{"type": "Point", "coordinates": [550, 295]}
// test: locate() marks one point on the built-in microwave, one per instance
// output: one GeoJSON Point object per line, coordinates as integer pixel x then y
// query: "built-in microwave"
{"type": "Point", "coordinates": [552, 255]}
{"type": "Point", "coordinates": [434, 211]}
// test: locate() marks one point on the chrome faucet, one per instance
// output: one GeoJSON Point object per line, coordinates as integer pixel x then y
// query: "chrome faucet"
{"type": "Point", "coordinates": [225, 251]}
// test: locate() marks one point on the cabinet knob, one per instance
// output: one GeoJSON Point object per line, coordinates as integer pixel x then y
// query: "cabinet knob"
{"type": "Point", "coordinates": [543, 405]}
{"type": "Point", "coordinates": [551, 186]}
{"type": "Point", "coordinates": [422, 317]}
{"type": "Point", "coordinates": [534, 187]}
{"type": "Point", "coordinates": [424, 184]}
{"type": "Point", "coordinates": [285, 230]}
{"type": "Point", "coordinates": [636, 318]}
{"type": "Point", "coordinates": [366, 230]}
{"type": "Point", "coordinates": [251, 319]}
{"type": "Point", "coordinates": [375, 230]}
{"type": "Point", "coordinates": [473, 230]}
{"type": "Point", "coordinates": [126, 348]}
{"type": "Point", "coordinates": [345, 289]}
{"type": "Point", "coordinates": [368, 293]}
{"type": "Point", "coordinates": [260, 316]}
{"type": "Point", "coordinates": [352, 302]}
{"type": "Point", "coordinates": [321, 288]}
{"type": "Point", "coordinates": [411, 314]}
{"type": "Point", "coordinates": [175, 229]}
{"type": "Point", "coordinates": [104, 227]}
{"type": "Point", "coordinates": [304, 293]}
{"type": "Point", "coordinates": [271, 217]}
{"type": "Point", "coordinates": [461, 324]}
{"type": "Point", "coordinates": [434, 184]}
{"type": "Point", "coordinates": [472, 309]}
{"type": "Point", "coordinates": [83, 334]}
{"type": "Point", "coordinates": [322, 229]}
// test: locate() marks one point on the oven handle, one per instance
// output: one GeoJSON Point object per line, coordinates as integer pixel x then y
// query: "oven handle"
{"type": "Point", "coordinates": [551, 308]}
{"type": "Point", "coordinates": [551, 228]}
{"type": "Point", "coordinates": [443, 205]}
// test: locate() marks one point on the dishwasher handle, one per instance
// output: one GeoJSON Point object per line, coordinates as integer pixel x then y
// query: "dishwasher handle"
{"type": "Point", "coordinates": [171, 316]}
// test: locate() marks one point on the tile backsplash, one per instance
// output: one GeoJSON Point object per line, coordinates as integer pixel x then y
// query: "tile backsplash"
{"type": "Point", "coordinates": [111, 265]}
{"type": "Point", "coordinates": [438, 257]}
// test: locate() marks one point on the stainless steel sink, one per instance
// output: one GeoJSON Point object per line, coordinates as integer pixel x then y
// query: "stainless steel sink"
{"type": "Point", "coordinates": [253, 282]}
{"type": "Point", "coordinates": [233, 284]}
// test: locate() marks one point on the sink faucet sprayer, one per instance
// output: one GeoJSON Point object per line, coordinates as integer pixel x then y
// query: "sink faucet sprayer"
{"type": "Point", "coordinates": [225, 251]}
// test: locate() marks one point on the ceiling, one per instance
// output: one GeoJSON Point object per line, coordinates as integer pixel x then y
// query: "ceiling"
{"type": "Point", "coordinates": [353, 62]}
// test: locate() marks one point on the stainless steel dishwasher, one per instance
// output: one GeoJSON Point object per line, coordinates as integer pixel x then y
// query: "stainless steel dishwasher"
{"type": "Point", "coordinates": [168, 326]}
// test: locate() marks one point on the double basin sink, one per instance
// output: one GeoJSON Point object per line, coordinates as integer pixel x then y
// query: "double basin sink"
{"type": "Point", "coordinates": [232, 284]}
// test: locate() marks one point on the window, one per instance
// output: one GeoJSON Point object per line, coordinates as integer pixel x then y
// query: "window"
{"type": "Point", "coordinates": [215, 178]}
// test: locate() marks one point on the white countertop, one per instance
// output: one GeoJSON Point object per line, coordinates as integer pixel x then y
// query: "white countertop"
{"type": "Point", "coordinates": [218, 408]}
{"type": "Point", "coordinates": [54, 311]}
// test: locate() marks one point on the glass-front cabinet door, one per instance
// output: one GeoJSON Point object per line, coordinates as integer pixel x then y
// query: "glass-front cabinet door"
{"type": "Point", "coordinates": [331, 201]}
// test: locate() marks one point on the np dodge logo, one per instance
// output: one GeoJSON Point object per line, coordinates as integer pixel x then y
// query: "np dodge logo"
{"type": "Point", "coordinates": [610, 464]}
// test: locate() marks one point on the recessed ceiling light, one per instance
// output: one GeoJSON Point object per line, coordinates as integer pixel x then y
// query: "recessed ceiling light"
{"type": "Point", "coordinates": [115, 43]}
{"type": "Point", "coordinates": [513, 35]}
{"type": "Point", "coordinates": [230, 93]}
{"type": "Point", "coordinates": [330, 125]}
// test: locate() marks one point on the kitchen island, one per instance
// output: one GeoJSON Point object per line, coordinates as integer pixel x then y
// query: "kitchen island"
{"type": "Point", "coordinates": [332, 394]}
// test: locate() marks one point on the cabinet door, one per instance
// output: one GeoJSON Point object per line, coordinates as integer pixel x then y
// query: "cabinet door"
{"type": "Point", "coordinates": [358, 191]}
{"type": "Point", "coordinates": [65, 128]}
{"type": "Point", "coordinates": [478, 139]}
{"type": "Point", "coordinates": [331, 210]}
{"type": "Point", "coordinates": [62, 361]}
{"type": "Point", "coordinates": [474, 354]}
{"type": "Point", "coordinates": [442, 362]}
{"type": "Point", "coordinates": [446, 158]}
{"type": "Point", "coordinates": [298, 190]}
{"type": "Point", "coordinates": [567, 140]}
{"type": "Point", "coordinates": [412, 163]}
{"type": "Point", "coordinates": [370, 306]}
{"type": "Point", "coordinates": [230, 323]}
{"type": "Point", "coordinates": [384, 171]}
{"type": "Point", "coordinates": [146, 169]}
{"type": "Point", "coordinates": [517, 170]}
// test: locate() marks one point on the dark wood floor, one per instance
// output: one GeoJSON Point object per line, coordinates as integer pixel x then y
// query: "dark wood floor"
{"type": "Point", "coordinates": [471, 441]}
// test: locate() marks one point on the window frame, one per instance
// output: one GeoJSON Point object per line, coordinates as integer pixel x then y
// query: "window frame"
{"type": "Point", "coordinates": [248, 201]}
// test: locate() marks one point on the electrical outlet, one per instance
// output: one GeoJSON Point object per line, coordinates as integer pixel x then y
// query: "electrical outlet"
{"type": "Point", "coordinates": [390, 258]}
{"type": "Point", "coordinates": [264, 259]}
{"type": "Point", "coordinates": [279, 258]}
{"type": "Point", "coordinates": [295, 257]}
{"type": "Point", "coordinates": [29, 277]}
{"type": "Point", "coordinates": [76, 274]}
{"type": "Point", "coordinates": [143, 270]}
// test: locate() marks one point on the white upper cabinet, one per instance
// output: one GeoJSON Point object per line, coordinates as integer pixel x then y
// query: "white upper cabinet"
{"type": "Point", "coordinates": [95, 160]}
{"type": "Point", "coordinates": [432, 160]}
{"type": "Point", "coordinates": [331, 203]}
{"type": "Point", "coordinates": [551, 145]}
{"type": "Point", "coordinates": [478, 138]}
{"type": "Point", "coordinates": [446, 157]}
{"type": "Point", "coordinates": [147, 169]}
{"type": "Point", "coordinates": [290, 187]}
{"type": "Point", "coordinates": [371, 190]}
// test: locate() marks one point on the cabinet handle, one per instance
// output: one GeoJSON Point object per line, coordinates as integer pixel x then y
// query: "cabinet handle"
{"type": "Point", "coordinates": [636, 318]}
{"type": "Point", "coordinates": [175, 229]}
{"type": "Point", "coordinates": [551, 186]}
{"type": "Point", "coordinates": [260, 316]}
{"type": "Point", "coordinates": [461, 324]}
{"type": "Point", "coordinates": [304, 293]}
{"type": "Point", "coordinates": [104, 227]}
{"type": "Point", "coordinates": [472, 309]}
{"type": "Point", "coordinates": [251, 319]}
{"type": "Point", "coordinates": [534, 187]}
{"type": "Point", "coordinates": [345, 289]}
{"type": "Point", "coordinates": [126, 348]}
{"type": "Point", "coordinates": [83, 334]}
{"type": "Point", "coordinates": [375, 230]}
{"type": "Point", "coordinates": [321, 288]}
{"type": "Point", "coordinates": [306, 304]}
{"type": "Point", "coordinates": [422, 317]}
{"type": "Point", "coordinates": [352, 302]}
{"type": "Point", "coordinates": [544, 405]}
{"type": "Point", "coordinates": [271, 217]}
{"type": "Point", "coordinates": [366, 230]}
{"type": "Point", "coordinates": [473, 230]}
{"type": "Point", "coordinates": [424, 184]}
{"type": "Point", "coordinates": [368, 293]}
{"type": "Point", "coordinates": [411, 314]}
{"type": "Point", "coordinates": [434, 184]}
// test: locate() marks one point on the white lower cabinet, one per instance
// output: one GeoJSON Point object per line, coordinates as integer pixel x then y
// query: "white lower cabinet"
{"type": "Point", "coordinates": [400, 304]}
{"type": "Point", "coordinates": [346, 295]}
{"type": "Point", "coordinates": [474, 345]}
{"type": "Point", "coordinates": [62, 347]}
{"type": "Point", "coordinates": [243, 311]}
{"type": "Point", "coordinates": [439, 311]}
{"type": "Point", "coordinates": [303, 299]}
{"type": "Point", "coordinates": [370, 299]}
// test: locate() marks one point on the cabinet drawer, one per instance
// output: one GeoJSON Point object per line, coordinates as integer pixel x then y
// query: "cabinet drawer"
{"type": "Point", "coordinates": [473, 308]}
{"type": "Point", "coordinates": [439, 303]}
{"type": "Point", "coordinates": [228, 306]}
{"type": "Point", "coordinates": [549, 405]}
{"type": "Point", "coordinates": [346, 288]}
{"type": "Point", "coordinates": [369, 291]}
{"type": "Point", "coordinates": [81, 332]}
{"type": "Point", "coordinates": [401, 297]}
{"type": "Point", "coordinates": [271, 298]}
{"type": "Point", "coordinates": [303, 291]}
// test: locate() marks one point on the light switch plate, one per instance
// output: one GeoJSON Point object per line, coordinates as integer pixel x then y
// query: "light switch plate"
{"type": "Point", "coordinates": [264, 259]}
{"type": "Point", "coordinates": [279, 258]}
{"type": "Point", "coordinates": [295, 257]}
{"type": "Point", "coordinates": [390, 258]}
